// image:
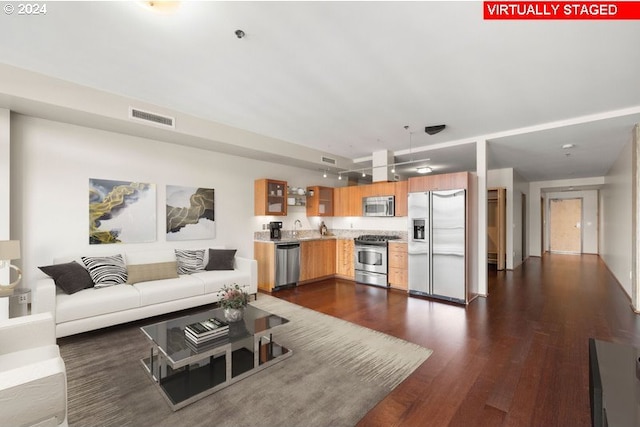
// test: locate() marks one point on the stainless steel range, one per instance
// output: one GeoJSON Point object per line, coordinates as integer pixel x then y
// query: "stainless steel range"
{"type": "Point", "coordinates": [371, 259]}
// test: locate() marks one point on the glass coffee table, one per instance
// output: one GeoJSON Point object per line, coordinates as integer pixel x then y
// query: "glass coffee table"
{"type": "Point", "coordinates": [186, 373]}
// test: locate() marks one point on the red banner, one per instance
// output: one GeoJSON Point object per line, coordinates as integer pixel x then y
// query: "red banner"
{"type": "Point", "coordinates": [561, 10]}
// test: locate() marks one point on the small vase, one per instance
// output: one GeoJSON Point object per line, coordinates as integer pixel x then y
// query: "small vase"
{"type": "Point", "coordinates": [233, 314]}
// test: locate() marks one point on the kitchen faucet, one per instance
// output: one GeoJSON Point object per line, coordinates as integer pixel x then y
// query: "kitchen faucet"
{"type": "Point", "coordinates": [296, 223]}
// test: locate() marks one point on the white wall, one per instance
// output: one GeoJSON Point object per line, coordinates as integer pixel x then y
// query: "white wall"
{"type": "Point", "coordinates": [5, 131]}
{"type": "Point", "coordinates": [51, 163]}
{"type": "Point", "coordinates": [589, 226]}
{"type": "Point", "coordinates": [534, 205]}
{"type": "Point", "coordinates": [616, 217]}
{"type": "Point", "coordinates": [5, 190]}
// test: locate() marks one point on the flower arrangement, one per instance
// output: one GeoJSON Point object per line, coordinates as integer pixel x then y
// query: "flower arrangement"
{"type": "Point", "coordinates": [233, 297]}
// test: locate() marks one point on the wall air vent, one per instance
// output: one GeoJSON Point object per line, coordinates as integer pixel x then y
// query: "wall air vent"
{"type": "Point", "coordinates": [151, 118]}
{"type": "Point", "coordinates": [328, 160]}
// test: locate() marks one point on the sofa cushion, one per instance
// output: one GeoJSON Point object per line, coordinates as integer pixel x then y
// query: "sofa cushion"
{"type": "Point", "coordinates": [71, 277]}
{"type": "Point", "coordinates": [215, 280]}
{"type": "Point", "coordinates": [95, 301]}
{"type": "Point", "coordinates": [159, 291]}
{"type": "Point", "coordinates": [154, 271]}
{"type": "Point", "coordinates": [221, 259]}
{"type": "Point", "coordinates": [190, 261]}
{"type": "Point", "coordinates": [106, 270]}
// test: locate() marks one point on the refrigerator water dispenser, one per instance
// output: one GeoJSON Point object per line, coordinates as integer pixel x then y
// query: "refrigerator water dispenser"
{"type": "Point", "coordinates": [419, 229]}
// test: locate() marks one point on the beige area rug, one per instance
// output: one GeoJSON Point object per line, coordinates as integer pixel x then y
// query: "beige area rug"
{"type": "Point", "coordinates": [337, 373]}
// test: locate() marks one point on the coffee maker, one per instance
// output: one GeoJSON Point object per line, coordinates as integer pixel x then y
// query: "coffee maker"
{"type": "Point", "coordinates": [275, 228]}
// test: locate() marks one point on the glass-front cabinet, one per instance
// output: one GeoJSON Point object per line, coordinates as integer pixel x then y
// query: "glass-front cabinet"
{"type": "Point", "coordinates": [270, 197]}
{"type": "Point", "coordinates": [319, 201]}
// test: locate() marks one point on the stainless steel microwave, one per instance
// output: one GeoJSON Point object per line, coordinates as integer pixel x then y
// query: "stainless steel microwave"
{"type": "Point", "coordinates": [378, 206]}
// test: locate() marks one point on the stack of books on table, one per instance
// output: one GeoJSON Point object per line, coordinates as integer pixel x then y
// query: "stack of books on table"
{"type": "Point", "coordinates": [206, 331]}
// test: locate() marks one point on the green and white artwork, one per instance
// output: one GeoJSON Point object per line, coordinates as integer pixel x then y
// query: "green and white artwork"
{"type": "Point", "coordinates": [190, 213]}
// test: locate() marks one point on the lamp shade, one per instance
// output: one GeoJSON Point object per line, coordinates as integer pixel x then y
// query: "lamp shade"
{"type": "Point", "coordinates": [9, 249]}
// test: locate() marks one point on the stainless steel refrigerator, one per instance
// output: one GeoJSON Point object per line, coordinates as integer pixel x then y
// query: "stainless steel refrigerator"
{"type": "Point", "coordinates": [437, 242]}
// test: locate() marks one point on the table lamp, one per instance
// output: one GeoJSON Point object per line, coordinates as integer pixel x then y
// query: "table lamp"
{"type": "Point", "coordinates": [9, 249]}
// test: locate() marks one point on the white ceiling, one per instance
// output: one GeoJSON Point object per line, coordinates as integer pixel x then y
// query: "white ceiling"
{"type": "Point", "coordinates": [346, 77]}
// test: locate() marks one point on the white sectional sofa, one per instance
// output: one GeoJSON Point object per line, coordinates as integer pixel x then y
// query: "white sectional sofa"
{"type": "Point", "coordinates": [95, 308]}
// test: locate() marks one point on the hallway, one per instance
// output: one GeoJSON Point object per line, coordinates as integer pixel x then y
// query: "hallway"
{"type": "Point", "coordinates": [516, 358]}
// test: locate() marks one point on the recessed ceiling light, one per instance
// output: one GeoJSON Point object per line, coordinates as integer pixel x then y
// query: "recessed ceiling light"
{"type": "Point", "coordinates": [568, 146]}
{"type": "Point", "coordinates": [424, 170]}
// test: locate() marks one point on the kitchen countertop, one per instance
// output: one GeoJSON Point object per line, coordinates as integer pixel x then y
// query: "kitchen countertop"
{"type": "Point", "coordinates": [296, 239]}
{"type": "Point", "coordinates": [309, 235]}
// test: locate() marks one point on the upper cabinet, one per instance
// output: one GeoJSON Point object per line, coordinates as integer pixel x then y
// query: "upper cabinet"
{"type": "Point", "coordinates": [348, 200]}
{"type": "Point", "coordinates": [319, 201]}
{"type": "Point", "coordinates": [447, 181]}
{"type": "Point", "coordinates": [270, 197]}
{"type": "Point", "coordinates": [401, 198]}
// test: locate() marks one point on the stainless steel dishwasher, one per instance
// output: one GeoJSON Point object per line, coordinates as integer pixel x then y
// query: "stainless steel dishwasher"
{"type": "Point", "coordinates": [287, 264]}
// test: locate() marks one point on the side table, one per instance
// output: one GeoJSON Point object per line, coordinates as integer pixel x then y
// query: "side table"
{"type": "Point", "coordinates": [15, 303]}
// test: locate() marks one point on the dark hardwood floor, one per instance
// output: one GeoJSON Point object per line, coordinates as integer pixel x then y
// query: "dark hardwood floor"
{"type": "Point", "coordinates": [516, 358]}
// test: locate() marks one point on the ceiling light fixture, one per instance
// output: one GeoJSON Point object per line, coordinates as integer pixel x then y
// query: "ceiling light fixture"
{"type": "Point", "coordinates": [424, 170]}
{"type": "Point", "coordinates": [324, 174]}
{"type": "Point", "coordinates": [339, 176]}
{"type": "Point", "coordinates": [396, 164]}
{"type": "Point", "coordinates": [432, 130]}
{"type": "Point", "coordinates": [568, 146]}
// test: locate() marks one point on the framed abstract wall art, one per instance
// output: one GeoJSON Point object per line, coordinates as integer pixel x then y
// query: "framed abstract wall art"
{"type": "Point", "coordinates": [190, 213]}
{"type": "Point", "coordinates": [121, 212]}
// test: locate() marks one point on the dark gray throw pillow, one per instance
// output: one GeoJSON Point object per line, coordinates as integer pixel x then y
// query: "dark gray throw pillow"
{"type": "Point", "coordinates": [221, 259]}
{"type": "Point", "coordinates": [70, 277]}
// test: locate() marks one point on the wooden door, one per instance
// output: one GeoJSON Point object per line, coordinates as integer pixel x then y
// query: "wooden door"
{"type": "Point", "coordinates": [565, 225]}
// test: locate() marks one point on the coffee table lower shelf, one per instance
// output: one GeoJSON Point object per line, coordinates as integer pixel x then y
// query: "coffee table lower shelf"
{"type": "Point", "coordinates": [190, 383]}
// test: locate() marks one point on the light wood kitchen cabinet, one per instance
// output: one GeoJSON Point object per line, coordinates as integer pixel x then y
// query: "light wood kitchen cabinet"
{"type": "Point", "coordinates": [270, 197]}
{"type": "Point", "coordinates": [317, 259]}
{"type": "Point", "coordinates": [340, 201]}
{"type": "Point", "coordinates": [319, 201]}
{"type": "Point", "coordinates": [378, 189]}
{"type": "Point", "coordinates": [344, 258]}
{"type": "Point", "coordinates": [398, 265]}
{"type": "Point", "coordinates": [264, 253]}
{"type": "Point", "coordinates": [348, 200]}
{"type": "Point", "coordinates": [447, 181]}
{"type": "Point", "coordinates": [401, 198]}
{"type": "Point", "coordinates": [354, 203]}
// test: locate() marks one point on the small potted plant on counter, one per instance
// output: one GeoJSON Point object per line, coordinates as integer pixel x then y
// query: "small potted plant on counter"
{"type": "Point", "coordinates": [233, 299]}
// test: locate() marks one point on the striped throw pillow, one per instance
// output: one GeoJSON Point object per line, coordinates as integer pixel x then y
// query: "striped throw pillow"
{"type": "Point", "coordinates": [190, 262]}
{"type": "Point", "coordinates": [106, 270]}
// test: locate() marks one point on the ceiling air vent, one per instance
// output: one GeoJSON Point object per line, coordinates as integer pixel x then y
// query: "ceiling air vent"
{"type": "Point", "coordinates": [328, 160]}
{"type": "Point", "coordinates": [151, 118]}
